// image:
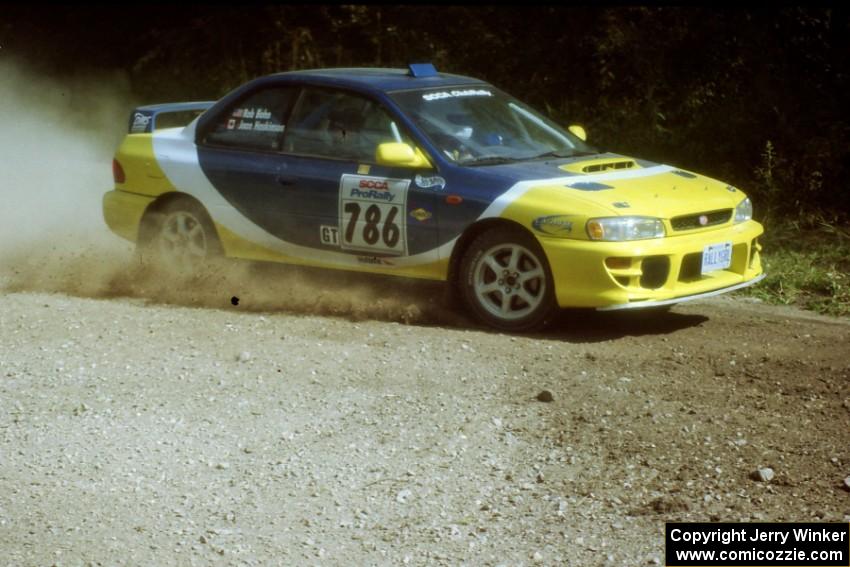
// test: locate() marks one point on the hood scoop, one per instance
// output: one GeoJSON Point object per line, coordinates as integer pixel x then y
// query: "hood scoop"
{"type": "Point", "coordinates": [599, 165]}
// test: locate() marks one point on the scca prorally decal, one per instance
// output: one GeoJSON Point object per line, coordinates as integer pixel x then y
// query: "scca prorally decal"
{"type": "Point", "coordinates": [377, 189]}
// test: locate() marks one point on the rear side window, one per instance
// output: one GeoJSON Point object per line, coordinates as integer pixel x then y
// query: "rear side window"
{"type": "Point", "coordinates": [254, 123]}
{"type": "Point", "coordinates": [339, 125]}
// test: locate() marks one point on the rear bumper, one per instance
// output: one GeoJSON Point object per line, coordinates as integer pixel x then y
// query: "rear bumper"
{"type": "Point", "coordinates": [123, 211]}
{"type": "Point", "coordinates": [650, 272]}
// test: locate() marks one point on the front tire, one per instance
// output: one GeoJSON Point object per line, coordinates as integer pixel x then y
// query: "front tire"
{"type": "Point", "coordinates": [505, 280]}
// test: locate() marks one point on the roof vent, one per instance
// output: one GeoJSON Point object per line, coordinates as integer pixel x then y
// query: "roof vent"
{"type": "Point", "coordinates": [422, 70]}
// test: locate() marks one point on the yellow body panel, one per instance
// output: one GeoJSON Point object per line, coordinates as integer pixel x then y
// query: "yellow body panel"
{"type": "Point", "coordinates": [666, 195]}
{"type": "Point", "coordinates": [582, 278]}
{"type": "Point", "coordinates": [549, 200]}
{"type": "Point", "coordinates": [123, 212]}
{"type": "Point", "coordinates": [140, 166]}
{"type": "Point", "coordinates": [579, 272]}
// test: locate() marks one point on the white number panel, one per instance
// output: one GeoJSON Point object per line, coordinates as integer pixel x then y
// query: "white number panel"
{"type": "Point", "coordinates": [372, 214]}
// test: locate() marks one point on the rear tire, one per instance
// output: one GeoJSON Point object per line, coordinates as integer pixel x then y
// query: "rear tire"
{"type": "Point", "coordinates": [505, 280]}
{"type": "Point", "coordinates": [179, 238]}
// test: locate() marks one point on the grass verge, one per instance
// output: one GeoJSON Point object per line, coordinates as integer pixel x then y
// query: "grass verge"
{"type": "Point", "coordinates": [806, 267]}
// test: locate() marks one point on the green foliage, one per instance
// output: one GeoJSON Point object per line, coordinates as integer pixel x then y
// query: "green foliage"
{"type": "Point", "coordinates": [807, 267]}
{"type": "Point", "coordinates": [696, 87]}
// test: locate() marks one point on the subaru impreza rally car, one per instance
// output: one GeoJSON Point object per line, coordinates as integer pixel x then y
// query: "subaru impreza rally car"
{"type": "Point", "coordinates": [427, 175]}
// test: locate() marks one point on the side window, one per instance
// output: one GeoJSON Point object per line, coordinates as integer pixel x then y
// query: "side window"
{"type": "Point", "coordinates": [337, 124]}
{"type": "Point", "coordinates": [255, 122]}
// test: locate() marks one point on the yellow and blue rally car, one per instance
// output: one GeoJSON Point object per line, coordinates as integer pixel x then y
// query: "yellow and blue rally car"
{"type": "Point", "coordinates": [428, 175]}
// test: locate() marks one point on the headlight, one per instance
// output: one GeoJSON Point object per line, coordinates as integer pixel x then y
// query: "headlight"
{"type": "Point", "coordinates": [625, 228]}
{"type": "Point", "coordinates": [744, 211]}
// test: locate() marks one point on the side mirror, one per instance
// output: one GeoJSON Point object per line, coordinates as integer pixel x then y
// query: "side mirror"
{"type": "Point", "coordinates": [578, 131]}
{"type": "Point", "coordinates": [398, 154]}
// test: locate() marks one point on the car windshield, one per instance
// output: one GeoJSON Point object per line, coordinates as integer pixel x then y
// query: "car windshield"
{"type": "Point", "coordinates": [483, 126]}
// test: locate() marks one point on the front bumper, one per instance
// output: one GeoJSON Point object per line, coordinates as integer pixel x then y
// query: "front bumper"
{"type": "Point", "coordinates": [645, 273]}
{"type": "Point", "coordinates": [660, 303]}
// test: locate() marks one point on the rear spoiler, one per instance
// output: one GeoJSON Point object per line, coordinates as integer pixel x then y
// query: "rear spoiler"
{"type": "Point", "coordinates": [143, 118]}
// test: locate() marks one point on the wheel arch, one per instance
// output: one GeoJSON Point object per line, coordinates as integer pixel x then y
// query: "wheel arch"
{"type": "Point", "coordinates": [471, 233]}
{"type": "Point", "coordinates": [163, 203]}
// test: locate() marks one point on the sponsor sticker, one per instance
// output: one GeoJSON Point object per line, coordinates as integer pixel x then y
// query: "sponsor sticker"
{"type": "Point", "coordinates": [455, 94]}
{"type": "Point", "coordinates": [432, 182]}
{"type": "Point", "coordinates": [421, 214]}
{"type": "Point", "coordinates": [141, 122]}
{"type": "Point", "coordinates": [553, 225]}
{"type": "Point", "coordinates": [375, 260]}
{"type": "Point", "coordinates": [329, 235]}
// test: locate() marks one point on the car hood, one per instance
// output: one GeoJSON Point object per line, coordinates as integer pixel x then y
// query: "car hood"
{"type": "Point", "coordinates": [626, 186]}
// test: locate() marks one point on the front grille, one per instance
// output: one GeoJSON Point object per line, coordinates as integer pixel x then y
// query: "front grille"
{"type": "Point", "coordinates": [690, 222]}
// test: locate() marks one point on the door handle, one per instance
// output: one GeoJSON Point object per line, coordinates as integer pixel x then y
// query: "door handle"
{"type": "Point", "coordinates": [285, 181]}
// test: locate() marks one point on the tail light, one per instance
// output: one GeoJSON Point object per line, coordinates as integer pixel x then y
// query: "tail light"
{"type": "Point", "coordinates": [117, 171]}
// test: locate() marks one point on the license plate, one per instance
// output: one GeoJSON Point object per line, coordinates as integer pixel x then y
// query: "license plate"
{"type": "Point", "coordinates": [716, 257]}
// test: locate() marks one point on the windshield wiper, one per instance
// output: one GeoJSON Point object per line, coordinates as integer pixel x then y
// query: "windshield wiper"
{"type": "Point", "coordinates": [562, 154]}
{"type": "Point", "coordinates": [497, 160]}
{"type": "Point", "coordinates": [490, 160]}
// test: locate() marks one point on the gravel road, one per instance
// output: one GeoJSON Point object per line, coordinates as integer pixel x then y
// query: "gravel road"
{"type": "Point", "coordinates": [339, 423]}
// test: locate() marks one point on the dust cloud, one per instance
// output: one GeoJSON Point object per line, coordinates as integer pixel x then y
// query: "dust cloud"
{"type": "Point", "coordinates": [57, 139]}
